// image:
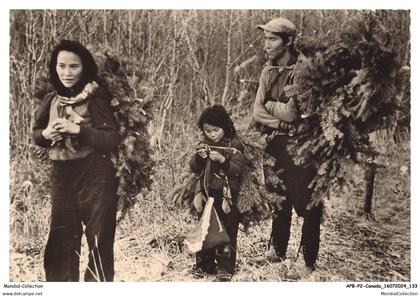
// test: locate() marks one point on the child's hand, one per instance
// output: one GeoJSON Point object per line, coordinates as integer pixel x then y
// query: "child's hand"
{"type": "Point", "coordinates": [202, 153]}
{"type": "Point", "coordinates": [216, 156]}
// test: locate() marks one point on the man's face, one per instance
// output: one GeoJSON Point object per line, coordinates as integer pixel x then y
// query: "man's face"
{"type": "Point", "coordinates": [274, 45]}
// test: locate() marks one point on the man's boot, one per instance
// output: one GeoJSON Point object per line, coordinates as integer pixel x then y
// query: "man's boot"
{"type": "Point", "coordinates": [310, 255]}
{"type": "Point", "coordinates": [271, 255]}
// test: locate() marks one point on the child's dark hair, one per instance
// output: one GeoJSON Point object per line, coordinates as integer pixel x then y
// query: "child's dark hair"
{"type": "Point", "coordinates": [90, 69]}
{"type": "Point", "coordinates": [217, 115]}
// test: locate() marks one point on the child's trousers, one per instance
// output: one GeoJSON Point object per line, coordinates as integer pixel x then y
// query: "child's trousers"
{"type": "Point", "coordinates": [221, 258]}
{"type": "Point", "coordinates": [83, 193]}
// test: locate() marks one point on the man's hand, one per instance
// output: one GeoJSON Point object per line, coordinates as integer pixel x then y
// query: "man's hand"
{"type": "Point", "coordinates": [291, 106]}
{"type": "Point", "coordinates": [282, 111]}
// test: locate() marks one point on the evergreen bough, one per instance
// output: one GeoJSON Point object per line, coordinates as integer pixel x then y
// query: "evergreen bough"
{"type": "Point", "coordinates": [132, 103]}
{"type": "Point", "coordinates": [345, 92]}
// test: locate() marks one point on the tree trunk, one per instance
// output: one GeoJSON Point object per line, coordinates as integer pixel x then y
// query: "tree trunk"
{"type": "Point", "coordinates": [228, 77]}
{"type": "Point", "coordinates": [370, 183]}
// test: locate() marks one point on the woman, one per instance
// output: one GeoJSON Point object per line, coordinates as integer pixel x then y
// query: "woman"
{"type": "Point", "coordinates": [76, 123]}
{"type": "Point", "coordinates": [277, 115]}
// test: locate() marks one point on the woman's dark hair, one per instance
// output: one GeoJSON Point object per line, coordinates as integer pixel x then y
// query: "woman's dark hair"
{"type": "Point", "coordinates": [90, 69]}
{"type": "Point", "coordinates": [217, 115]}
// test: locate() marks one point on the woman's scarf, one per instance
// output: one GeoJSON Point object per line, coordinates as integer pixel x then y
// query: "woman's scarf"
{"type": "Point", "coordinates": [68, 103]}
{"type": "Point", "coordinates": [83, 95]}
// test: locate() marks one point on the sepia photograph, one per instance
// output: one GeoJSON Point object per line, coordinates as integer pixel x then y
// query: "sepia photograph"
{"type": "Point", "coordinates": [198, 145]}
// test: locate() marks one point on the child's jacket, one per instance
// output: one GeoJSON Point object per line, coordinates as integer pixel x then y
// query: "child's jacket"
{"type": "Point", "coordinates": [230, 171]}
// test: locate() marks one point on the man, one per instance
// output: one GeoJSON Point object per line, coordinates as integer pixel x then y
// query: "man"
{"type": "Point", "coordinates": [277, 116]}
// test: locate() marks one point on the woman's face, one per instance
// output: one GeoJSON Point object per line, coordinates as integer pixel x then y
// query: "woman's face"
{"type": "Point", "coordinates": [213, 133]}
{"type": "Point", "coordinates": [69, 68]}
{"type": "Point", "coordinates": [274, 45]}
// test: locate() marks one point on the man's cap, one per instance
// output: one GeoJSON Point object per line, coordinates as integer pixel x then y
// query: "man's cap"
{"type": "Point", "coordinates": [280, 25]}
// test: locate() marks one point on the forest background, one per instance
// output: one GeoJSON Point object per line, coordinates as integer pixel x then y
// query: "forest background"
{"type": "Point", "coordinates": [183, 61]}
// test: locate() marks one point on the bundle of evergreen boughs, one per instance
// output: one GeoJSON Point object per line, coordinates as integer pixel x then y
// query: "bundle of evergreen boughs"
{"type": "Point", "coordinates": [132, 103]}
{"type": "Point", "coordinates": [256, 200]}
{"type": "Point", "coordinates": [344, 92]}
{"type": "Point", "coordinates": [182, 195]}
{"type": "Point", "coordinates": [260, 193]}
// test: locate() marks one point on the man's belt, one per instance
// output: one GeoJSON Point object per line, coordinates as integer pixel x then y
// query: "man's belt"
{"type": "Point", "coordinates": [273, 134]}
{"type": "Point", "coordinates": [285, 128]}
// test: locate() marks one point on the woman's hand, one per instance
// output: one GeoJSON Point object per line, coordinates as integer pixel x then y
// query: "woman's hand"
{"type": "Point", "coordinates": [52, 134]}
{"type": "Point", "coordinates": [216, 156]}
{"type": "Point", "coordinates": [65, 126]}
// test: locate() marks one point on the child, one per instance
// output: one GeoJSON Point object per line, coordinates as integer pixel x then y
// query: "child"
{"type": "Point", "coordinates": [224, 150]}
